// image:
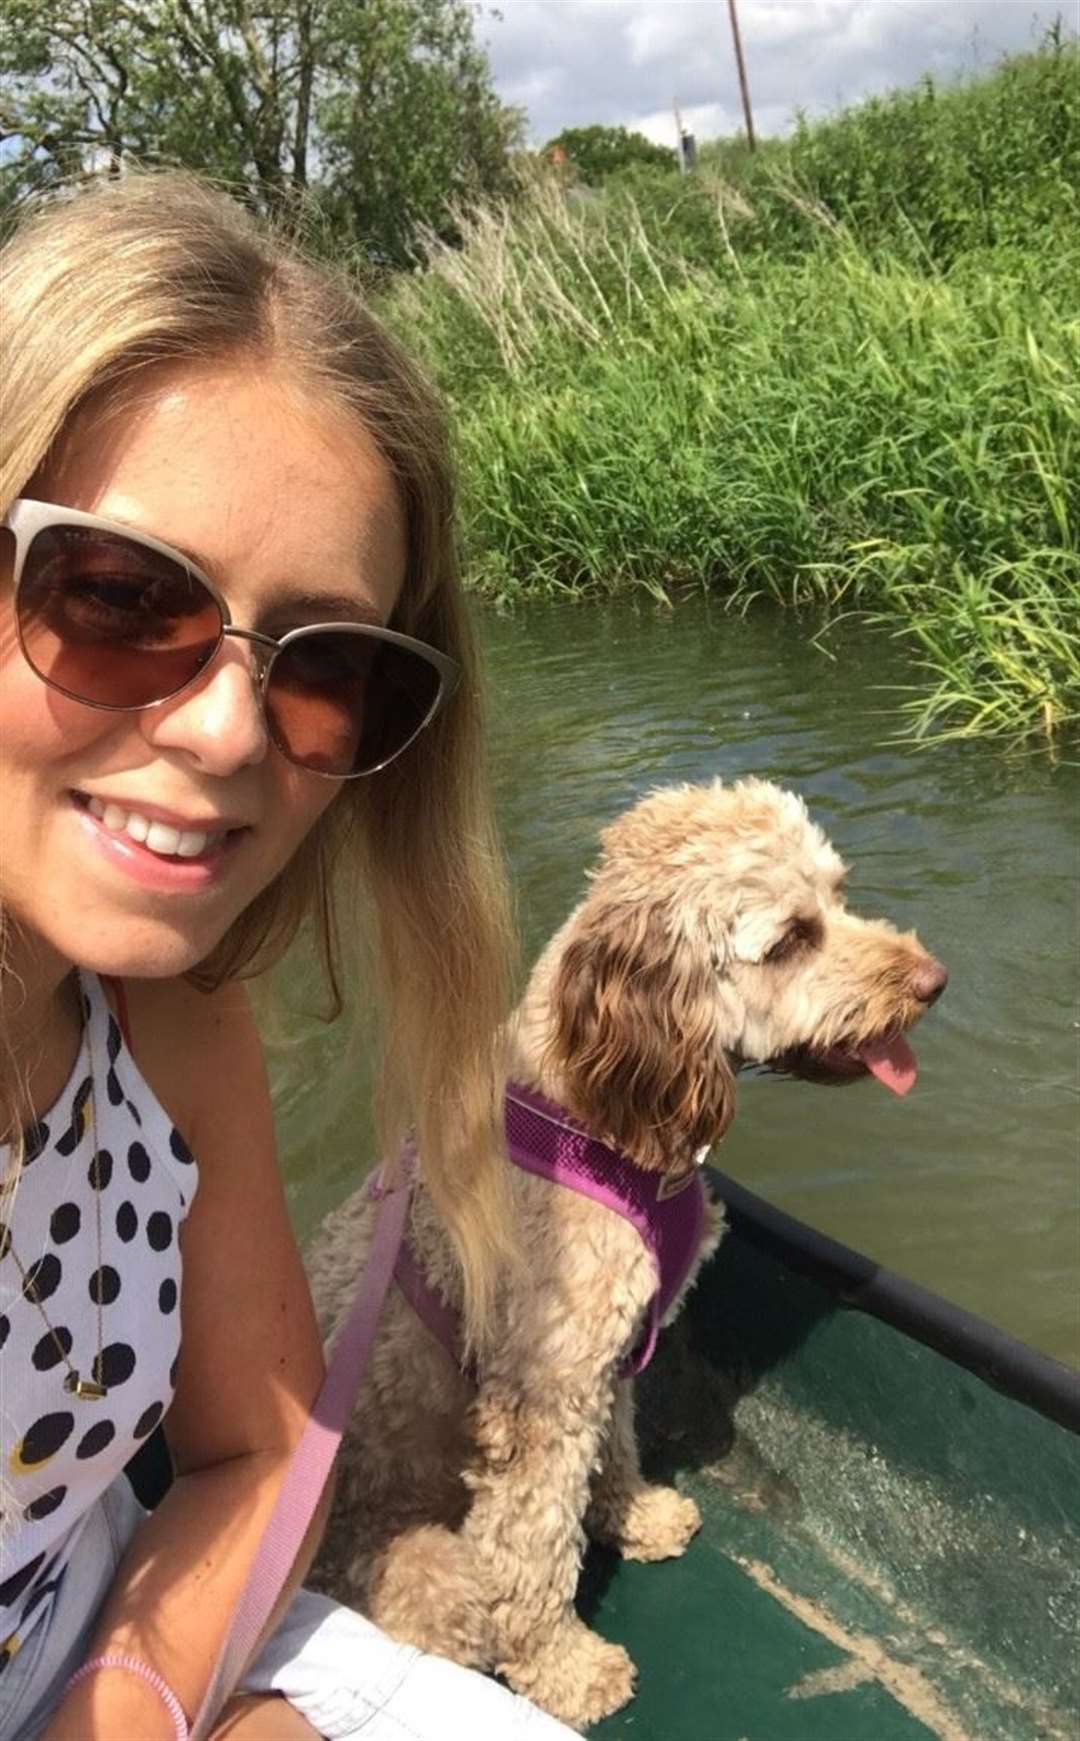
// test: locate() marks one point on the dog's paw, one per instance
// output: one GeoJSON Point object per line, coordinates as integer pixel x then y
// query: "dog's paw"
{"type": "Point", "coordinates": [578, 1677]}
{"type": "Point", "coordinates": [657, 1524]}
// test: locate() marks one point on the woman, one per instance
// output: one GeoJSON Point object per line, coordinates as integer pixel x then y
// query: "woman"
{"type": "Point", "coordinates": [210, 453]}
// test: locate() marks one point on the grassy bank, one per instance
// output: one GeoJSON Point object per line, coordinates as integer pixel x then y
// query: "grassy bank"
{"type": "Point", "coordinates": [653, 395]}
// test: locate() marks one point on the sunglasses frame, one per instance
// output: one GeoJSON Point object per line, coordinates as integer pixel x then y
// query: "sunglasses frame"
{"type": "Point", "coordinates": [27, 517]}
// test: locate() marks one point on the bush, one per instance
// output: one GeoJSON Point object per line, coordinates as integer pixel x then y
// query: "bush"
{"type": "Point", "coordinates": [932, 172]}
{"type": "Point", "coordinates": [597, 152]}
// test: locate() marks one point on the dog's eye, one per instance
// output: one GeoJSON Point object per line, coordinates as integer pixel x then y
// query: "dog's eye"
{"type": "Point", "coordinates": [798, 934]}
{"type": "Point", "coordinates": [782, 947]}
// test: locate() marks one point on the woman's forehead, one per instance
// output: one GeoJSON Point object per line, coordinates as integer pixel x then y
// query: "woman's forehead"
{"type": "Point", "coordinates": [262, 482]}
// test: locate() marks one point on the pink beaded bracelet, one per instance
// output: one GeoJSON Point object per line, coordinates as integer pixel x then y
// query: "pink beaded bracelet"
{"type": "Point", "coordinates": [133, 1666]}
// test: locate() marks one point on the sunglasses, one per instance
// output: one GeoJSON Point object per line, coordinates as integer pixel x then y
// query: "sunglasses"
{"type": "Point", "coordinates": [118, 620]}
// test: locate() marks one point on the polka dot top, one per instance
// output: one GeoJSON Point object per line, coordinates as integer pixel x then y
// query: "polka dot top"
{"type": "Point", "coordinates": [61, 1451]}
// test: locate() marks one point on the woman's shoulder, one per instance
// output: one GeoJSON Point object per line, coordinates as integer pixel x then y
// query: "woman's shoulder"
{"type": "Point", "coordinates": [194, 1048]}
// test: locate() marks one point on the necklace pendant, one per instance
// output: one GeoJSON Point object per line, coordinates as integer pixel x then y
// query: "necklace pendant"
{"type": "Point", "coordinates": [86, 1389]}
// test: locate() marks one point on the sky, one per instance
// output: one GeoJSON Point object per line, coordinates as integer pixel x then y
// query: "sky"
{"type": "Point", "coordinates": [570, 63]}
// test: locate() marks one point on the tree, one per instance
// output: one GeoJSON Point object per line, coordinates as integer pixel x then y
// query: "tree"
{"type": "Point", "coordinates": [597, 152]}
{"type": "Point", "coordinates": [416, 128]}
{"type": "Point", "coordinates": [382, 112]}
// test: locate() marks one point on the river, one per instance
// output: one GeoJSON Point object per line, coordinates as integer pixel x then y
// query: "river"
{"type": "Point", "coordinates": [970, 1185]}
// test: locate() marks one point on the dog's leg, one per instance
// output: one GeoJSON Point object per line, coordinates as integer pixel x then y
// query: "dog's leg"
{"type": "Point", "coordinates": [534, 1451]}
{"type": "Point", "coordinates": [425, 1589]}
{"type": "Point", "coordinates": [642, 1521]}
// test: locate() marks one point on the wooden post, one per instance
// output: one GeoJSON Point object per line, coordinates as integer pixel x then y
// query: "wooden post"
{"type": "Point", "coordinates": [678, 135]}
{"type": "Point", "coordinates": [743, 86]}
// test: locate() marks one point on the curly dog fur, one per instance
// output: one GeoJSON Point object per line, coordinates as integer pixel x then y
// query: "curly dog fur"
{"type": "Point", "coordinates": [713, 933]}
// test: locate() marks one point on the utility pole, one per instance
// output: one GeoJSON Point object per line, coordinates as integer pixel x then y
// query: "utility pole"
{"type": "Point", "coordinates": [743, 86]}
{"type": "Point", "coordinates": [685, 143]}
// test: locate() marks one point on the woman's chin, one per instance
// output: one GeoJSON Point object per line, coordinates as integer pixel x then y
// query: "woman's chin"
{"type": "Point", "coordinates": [133, 949]}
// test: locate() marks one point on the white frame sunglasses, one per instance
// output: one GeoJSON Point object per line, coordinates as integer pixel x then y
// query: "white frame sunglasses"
{"type": "Point", "coordinates": [27, 518]}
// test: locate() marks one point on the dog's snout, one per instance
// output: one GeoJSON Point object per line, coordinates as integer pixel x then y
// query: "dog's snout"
{"type": "Point", "coordinates": [929, 980]}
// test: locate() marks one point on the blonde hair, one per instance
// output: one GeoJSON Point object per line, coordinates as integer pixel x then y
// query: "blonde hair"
{"type": "Point", "coordinates": [159, 268]}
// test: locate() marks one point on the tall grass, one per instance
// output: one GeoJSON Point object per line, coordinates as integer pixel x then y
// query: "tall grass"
{"type": "Point", "coordinates": [837, 422]}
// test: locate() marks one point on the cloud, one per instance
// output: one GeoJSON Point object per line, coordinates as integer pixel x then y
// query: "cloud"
{"type": "Point", "coordinates": [625, 62]}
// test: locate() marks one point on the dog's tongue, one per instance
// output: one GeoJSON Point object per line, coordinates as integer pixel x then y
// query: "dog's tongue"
{"type": "Point", "coordinates": [892, 1062]}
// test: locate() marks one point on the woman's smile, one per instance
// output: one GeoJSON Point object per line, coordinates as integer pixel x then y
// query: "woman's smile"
{"type": "Point", "coordinates": [157, 850]}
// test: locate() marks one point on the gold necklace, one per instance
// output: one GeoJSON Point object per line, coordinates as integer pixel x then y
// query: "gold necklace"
{"type": "Point", "coordinates": [86, 1389]}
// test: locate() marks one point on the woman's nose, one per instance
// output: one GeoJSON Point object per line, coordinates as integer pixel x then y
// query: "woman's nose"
{"type": "Point", "coordinates": [219, 720]}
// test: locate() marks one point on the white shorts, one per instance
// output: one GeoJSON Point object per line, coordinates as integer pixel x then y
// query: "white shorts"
{"type": "Point", "coordinates": [344, 1675]}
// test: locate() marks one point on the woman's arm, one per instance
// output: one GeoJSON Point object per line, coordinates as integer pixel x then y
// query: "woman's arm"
{"type": "Point", "coordinates": [250, 1367]}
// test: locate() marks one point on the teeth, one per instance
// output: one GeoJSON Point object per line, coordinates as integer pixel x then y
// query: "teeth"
{"type": "Point", "coordinates": [191, 843]}
{"type": "Point", "coordinates": [160, 837]}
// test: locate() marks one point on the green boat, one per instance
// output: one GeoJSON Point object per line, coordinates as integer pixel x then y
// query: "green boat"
{"type": "Point", "coordinates": [890, 1491]}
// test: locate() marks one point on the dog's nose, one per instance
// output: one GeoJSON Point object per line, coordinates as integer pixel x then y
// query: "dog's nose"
{"type": "Point", "coordinates": [929, 981]}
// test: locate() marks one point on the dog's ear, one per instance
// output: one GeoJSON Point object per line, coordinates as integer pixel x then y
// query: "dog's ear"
{"type": "Point", "coordinates": [635, 1040]}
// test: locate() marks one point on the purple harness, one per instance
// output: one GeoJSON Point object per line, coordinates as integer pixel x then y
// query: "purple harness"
{"type": "Point", "coordinates": [542, 1139]}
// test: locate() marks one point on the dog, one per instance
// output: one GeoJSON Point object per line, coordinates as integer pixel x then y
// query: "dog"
{"type": "Point", "coordinates": [713, 934]}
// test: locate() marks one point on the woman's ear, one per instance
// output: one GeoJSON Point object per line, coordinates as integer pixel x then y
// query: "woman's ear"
{"type": "Point", "coordinates": [635, 1036]}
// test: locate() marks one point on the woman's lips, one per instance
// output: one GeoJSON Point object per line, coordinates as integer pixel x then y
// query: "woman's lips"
{"type": "Point", "coordinates": [163, 838]}
{"type": "Point", "coordinates": [165, 857]}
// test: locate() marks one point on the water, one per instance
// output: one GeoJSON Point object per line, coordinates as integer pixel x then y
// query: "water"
{"type": "Point", "coordinates": [971, 1184]}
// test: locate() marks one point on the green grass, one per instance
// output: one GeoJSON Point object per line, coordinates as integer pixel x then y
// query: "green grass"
{"type": "Point", "coordinates": [817, 418]}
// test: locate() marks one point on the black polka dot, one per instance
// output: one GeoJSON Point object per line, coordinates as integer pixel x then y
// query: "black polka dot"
{"type": "Point", "coordinates": [113, 1041]}
{"type": "Point", "coordinates": [43, 1440]}
{"type": "Point", "coordinates": [47, 1354]}
{"type": "Point", "coordinates": [149, 1419]}
{"type": "Point", "coordinates": [127, 1222]}
{"type": "Point", "coordinates": [180, 1149]}
{"type": "Point", "coordinates": [159, 1231]}
{"type": "Point", "coordinates": [5, 1327]}
{"type": "Point", "coordinates": [135, 1113]}
{"type": "Point", "coordinates": [81, 1113]}
{"type": "Point", "coordinates": [114, 1365]}
{"type": "Point", "coordinates": [138, 1163]}
{"type": "Point", "coordinates": [99, 1171]}
{"type": "Point", "coordinates": [172, 1373]}
{"type": "Point", "coordinates": [104, 1285]}
{"type": "Point", "coordinates": [45, 1504]}
{"type": "Point", "coordinates": [167, 1295]}
{"type": "Point", "coordinates": [34, 1140]}
{"type": "Point", "coordinates": [42, 1278]}
{"type": "Point", "coordinates": [113, 1088]}
{"type": "Point", "coordinates": [13, 1587]}
{"type": "Point", "coordinates": [64, 1223]}
{"type": "Point", "coordinates": [102, 1433]}
{"type": "Point", "coordinates": [5, 1240]}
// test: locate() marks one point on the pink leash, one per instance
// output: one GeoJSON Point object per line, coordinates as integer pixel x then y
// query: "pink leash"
{"type": "Point", "coordinates": [313, 1458]}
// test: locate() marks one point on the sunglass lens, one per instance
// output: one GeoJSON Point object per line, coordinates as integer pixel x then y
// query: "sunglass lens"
{"type": "Point", "coordinates": [111, 621]}
{"type": "Point", "coordinates": [342, 703]}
